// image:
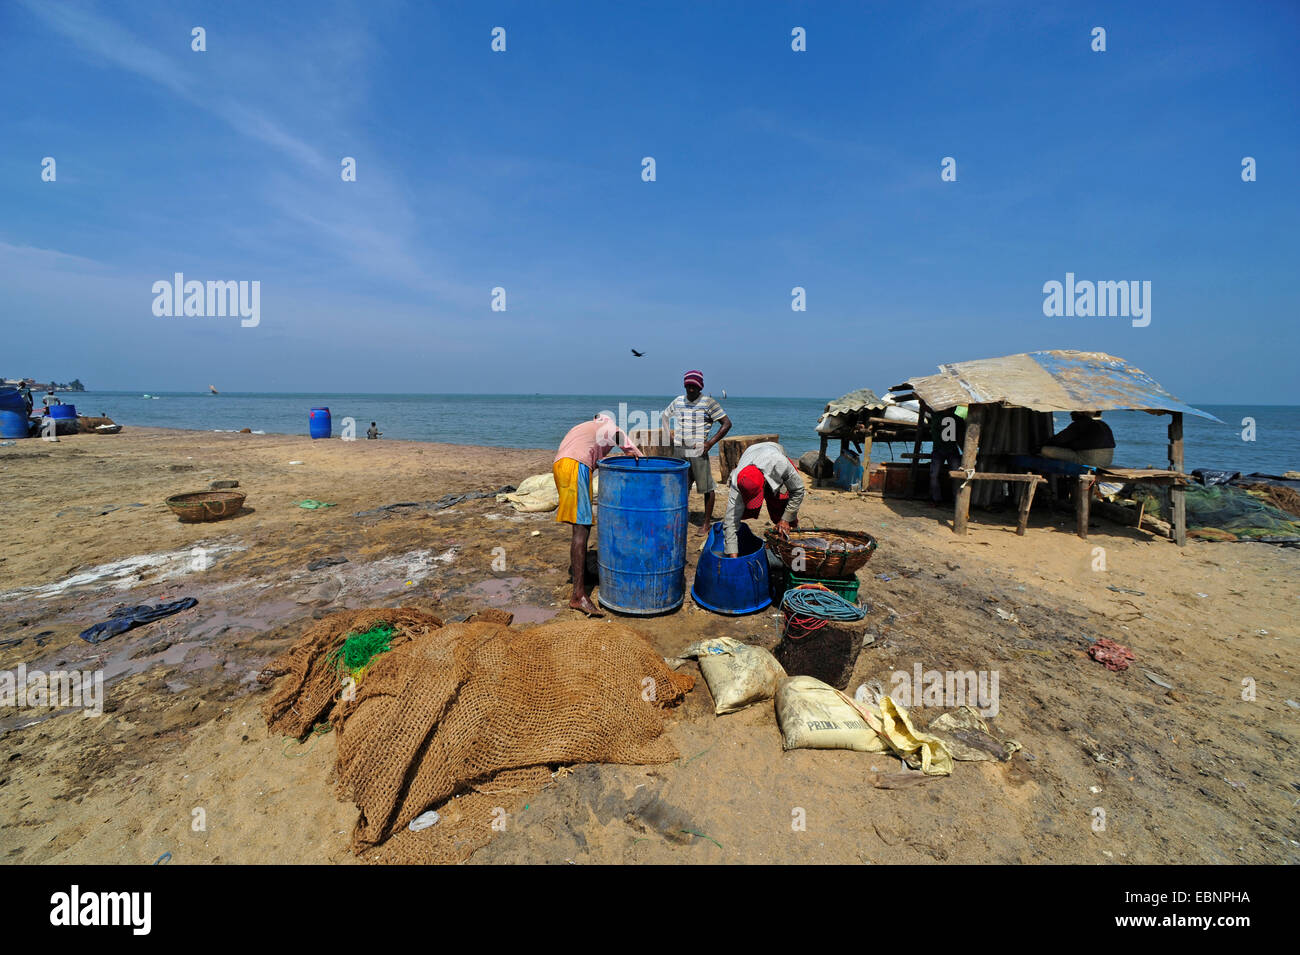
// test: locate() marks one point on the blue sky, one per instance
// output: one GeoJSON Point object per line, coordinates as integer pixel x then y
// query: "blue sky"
{"type": "Point", "coordinates": [522, 170]}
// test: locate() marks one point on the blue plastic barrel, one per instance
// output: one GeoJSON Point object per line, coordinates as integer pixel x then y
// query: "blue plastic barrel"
{"type": "Point", "coordinates": [61, 411]}
{"type": "Point", "coordinates": [734, 585]}
{"type": "Point", "coordinates": [13, 414]}
{"type": "Point", "coordinates": [318, 422]}
{"type": "Point", "coordinates": [643, 514]}
{"type": "Point", "coordinates": [848, 471]}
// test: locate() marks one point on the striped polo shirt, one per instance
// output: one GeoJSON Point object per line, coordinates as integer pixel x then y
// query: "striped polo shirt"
{"type": "Point", "coordinates": [692, 420]}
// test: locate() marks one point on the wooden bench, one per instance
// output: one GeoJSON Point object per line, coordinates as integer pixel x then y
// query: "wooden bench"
{"type": "Point", "coordinates": [1030, 482]}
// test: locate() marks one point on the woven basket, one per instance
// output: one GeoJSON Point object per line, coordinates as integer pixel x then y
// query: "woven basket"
{"type": "Point", "coordinates": [206, 505]}
{"type": "Point", "coordinates": [836, 562]}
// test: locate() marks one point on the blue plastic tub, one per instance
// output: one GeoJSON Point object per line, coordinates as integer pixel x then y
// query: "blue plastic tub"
{"type": "Point", "coordinates": [732, 585]}
{"type": "Point", "coordinates": [642, 524]}
{"type": "Point", "coordinates": [318, 422]}
{"type": "Point", "coordinates": [13, 414]}
{"type": "Point", "coordinates": [64, 418]}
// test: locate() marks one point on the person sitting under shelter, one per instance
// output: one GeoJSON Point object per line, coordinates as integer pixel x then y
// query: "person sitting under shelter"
{"type": "Point", "coordinates": [763, 474]}
{"type": "Point", "coordinates": [1088, 440]}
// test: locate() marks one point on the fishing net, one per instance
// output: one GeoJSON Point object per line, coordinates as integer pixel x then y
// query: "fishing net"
{"type": "Point", "coordinates": [312, 682]}
{"type": "Point", "coordinates": [354, 654]}
{"type": "Point", "coordinates": [1223, 512]}
{"type": "Point", "coordinates": [1282, 497]}
{"type": "Point", "coordinates": [482, 712]}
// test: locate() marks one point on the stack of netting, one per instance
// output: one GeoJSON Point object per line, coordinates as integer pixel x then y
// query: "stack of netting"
{"type": "Point", "coordinates": [1228, 513]}
{"type": "Point", "coordinates": [476, 710]}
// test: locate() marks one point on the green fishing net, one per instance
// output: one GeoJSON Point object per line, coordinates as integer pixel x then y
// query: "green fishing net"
{"type": "Point", "coordinates": [1224, 512]}
{"type": "Point", "coordinates": [358, 649]}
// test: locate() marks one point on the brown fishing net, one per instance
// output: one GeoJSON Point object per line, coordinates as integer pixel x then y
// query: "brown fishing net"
{"type": "Point", "coordinates": [1280, 496]}
{"type": "Point", "coordinates": [312, 685]}
{"type": "Point", "coordinates": [480, 711]}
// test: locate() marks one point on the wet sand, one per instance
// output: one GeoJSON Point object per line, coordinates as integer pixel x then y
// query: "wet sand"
{"type": "Point", "coordinates": [181, 761]}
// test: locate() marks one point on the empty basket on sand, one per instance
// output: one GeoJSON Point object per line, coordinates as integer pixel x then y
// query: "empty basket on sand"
{"type": "Point", "coordinates": [202, 506]}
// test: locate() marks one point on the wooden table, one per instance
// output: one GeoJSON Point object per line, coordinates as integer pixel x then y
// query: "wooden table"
{"type": "Point", "coordinates": [1176, 481]}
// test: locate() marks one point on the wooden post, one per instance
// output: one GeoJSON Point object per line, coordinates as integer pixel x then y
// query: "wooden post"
{"type": "Point", "coordinates": [731, 448]}
{"type": "Point", "coordinates": [1083, 503]}
{"type": "Point", "coordinates": [867, 440]}
{"type": "Point", "coordinates": [1026, 501]}
{"type": "Point", "coordinates": [1177, 496]}
{"type": "Point", "coordinates": [922, 413]}
{"type": "Point", "coordinates": [969, 454]}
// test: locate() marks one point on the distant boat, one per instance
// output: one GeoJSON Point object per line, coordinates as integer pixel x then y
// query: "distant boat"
{"type": "Point", "coordinates": [724, 392]}
{"type": "Point", "coordinates": [212, 388]}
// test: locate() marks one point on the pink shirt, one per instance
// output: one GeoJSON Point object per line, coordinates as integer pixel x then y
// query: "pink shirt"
{"type": "Point", "coordinates": [590, 441]}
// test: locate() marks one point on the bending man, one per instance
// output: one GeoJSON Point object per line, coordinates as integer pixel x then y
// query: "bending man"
{"type": "Point", "coordinates": [763, 474]}
{"type": "Point", "coordinates": [582, 447]}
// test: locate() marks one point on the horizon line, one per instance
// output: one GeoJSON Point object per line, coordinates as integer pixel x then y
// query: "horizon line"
{"type": "Point", "coordinates": [541, 394]}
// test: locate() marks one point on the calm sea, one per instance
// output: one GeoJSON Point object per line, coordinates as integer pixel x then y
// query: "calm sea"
{"type": "Point", "coordinates": [540, 421]}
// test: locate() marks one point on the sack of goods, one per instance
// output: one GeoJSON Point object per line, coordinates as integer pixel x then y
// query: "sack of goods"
{"type": "Point", "coordinates": [814, 715]}
{"type": "Point", "coordinates": [737, 674]}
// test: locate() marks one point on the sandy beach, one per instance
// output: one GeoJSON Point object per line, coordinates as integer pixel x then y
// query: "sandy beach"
{"type": "Point", "coordinates": [1188, 772]}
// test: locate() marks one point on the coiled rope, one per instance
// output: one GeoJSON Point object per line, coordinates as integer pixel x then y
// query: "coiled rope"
{"type": "Point", "coordinates": [809, 607]}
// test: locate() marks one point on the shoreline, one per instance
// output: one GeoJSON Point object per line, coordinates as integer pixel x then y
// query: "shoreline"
{"type": "Point", "coordinates": [529, 422]}
{"type": "Point", "coordinates": [149, 429]}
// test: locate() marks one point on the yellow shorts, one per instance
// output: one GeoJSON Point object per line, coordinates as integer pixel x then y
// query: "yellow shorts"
{"type": "Point", "coordinates": [573, 481]}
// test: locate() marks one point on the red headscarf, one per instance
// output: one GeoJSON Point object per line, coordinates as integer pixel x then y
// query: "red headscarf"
{"type": "Point", "coordinates": [751, 484]}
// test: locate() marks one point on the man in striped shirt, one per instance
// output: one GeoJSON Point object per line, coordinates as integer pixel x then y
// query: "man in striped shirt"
{"type": "Point", "coordinates": [688, 421]}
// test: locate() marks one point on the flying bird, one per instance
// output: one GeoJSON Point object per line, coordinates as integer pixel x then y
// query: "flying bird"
{"type": "Point", "coordinates": [639, 354]}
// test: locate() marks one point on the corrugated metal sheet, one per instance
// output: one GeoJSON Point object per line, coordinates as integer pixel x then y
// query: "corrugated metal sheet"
{"type": "Point", "coordinates": [1049, 381]}
{"type": "Point", "coordinates": [855, 401]}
